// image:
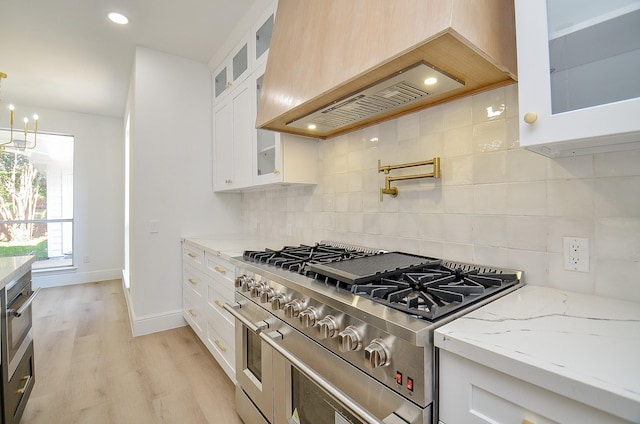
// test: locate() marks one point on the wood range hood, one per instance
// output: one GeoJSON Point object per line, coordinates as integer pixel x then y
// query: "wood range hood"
{"type": "Point", "coordinates": [358, 62]}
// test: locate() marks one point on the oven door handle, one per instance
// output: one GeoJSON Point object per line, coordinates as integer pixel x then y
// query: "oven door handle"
{"type": "Point", "coordinates": [17, 312]}
{"type": "Point", "coordinates": [356, 409]}
{"type": "Point", "coordinates": [256, 327]}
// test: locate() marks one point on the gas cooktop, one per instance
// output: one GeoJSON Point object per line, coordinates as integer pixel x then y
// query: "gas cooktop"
{"type": "Point", "coordinates": [424, 287]}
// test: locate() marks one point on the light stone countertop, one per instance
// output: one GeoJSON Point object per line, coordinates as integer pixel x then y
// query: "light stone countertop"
{"type": "Point", "coordinates": [14, 266]}
{"type": "Point", "coordinates": [584, 347]}
{"type": "Point", "coordinates": [233, 245]}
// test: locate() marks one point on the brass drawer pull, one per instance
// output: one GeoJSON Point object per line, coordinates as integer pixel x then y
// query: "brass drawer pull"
{"type": "Point", "coordinates": [27, 380]}
{"type": "Point", "coordinates": [191, 255]}
{"type": "Point", "coordinates": [193, 313]}
{"type": "Point", "coordinates": [220, 270]}
{"type": "Point", "coordinates": [192, 281]}
{"type": "Point", "coordinates": [217, 302]}
{"type": "Point", "coordinates": [222, 348]}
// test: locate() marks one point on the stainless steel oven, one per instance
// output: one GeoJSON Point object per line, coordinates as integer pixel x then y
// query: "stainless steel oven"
{"type": "Point", "coordinates": [17, 347]}
{"type": "Point", "coordinates": [254, 369]}
{"type": "Point", "coordinates": [284, 378]}
{"type": "Point", "coordinates": [336, 334]}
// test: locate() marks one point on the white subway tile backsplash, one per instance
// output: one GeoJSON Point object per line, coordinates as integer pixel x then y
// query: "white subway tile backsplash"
{"type": "Point", "coordinates": [458, 228]}
{"type": "Point", "coordinates": [560, 227]}
{"type": "Point", "coordinates": [618, 239]}
{"type": "Point", "coordinates": [458, 113]}
{"type": "Point", "coordinates": [570, 167]}
{"type": "Point", "coordinates": [490, 168]}
{"type": "Point", "coordinates": [496, 203]}
{"type": "Point", "coordinates": [457, 170]}
{"type": "Point", "coordinates": [431, 226]}
{"type": "Point", "coordinates": [490, 199]}
{"type": "Point", "coordinates": [458, 199]}
{"type": "Point", "coordinates": [617, 164]}
{"type": "Point", "coordinates": [560, 278]}
{"type": "Point", "coordinates": [527, 232]}
{"type": "Point", "coordinates": [534, 264]}
{"type": "Point", "coordinates": [489, 230]}
{"type": "Point", "coordinates": [457, 141]}
{"type": "Point", "coordinates": [489, 106]}
{"type": "Point", "coordinates": [613, 279]}
{"type": "Point", "coordinates": [524, 165]}
{"type": "Point", "coordinates": [617, 197]}
{"type": "Point", "coordinates": [570, 198]}
{"type": "Point", "coordinates": [457, 252]}
{"type": "Point", "coordinates": [408, 127]}
{"type": "Point", "coordinates": [527, 198]}
{"type": "Point", "coordinates": [490, 136]}
{"type": "Point", "coordinates": [431, 120]}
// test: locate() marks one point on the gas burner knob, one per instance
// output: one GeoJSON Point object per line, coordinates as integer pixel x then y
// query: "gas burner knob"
{"type": "Point", "coordinates": [256, 288]}
{"type": "Point", "coordinates": [239, 280]}
{"type": "Point", "coordinates": [349, 340]}
{"type": "Point", "coordinates": [327, 327]}
{"type": "Point", "coordinates": [246, 283]}
{"type": "Point", "coordinates": [376, 355]}
{"type": "Point", "coordinates": [266, 294]}
{"type": "Point", "coordinates": [278, 301]}
{"type": "Point", "coordinates": [292, 309]}
{"type": "Point", "coordinates": [309, 317]}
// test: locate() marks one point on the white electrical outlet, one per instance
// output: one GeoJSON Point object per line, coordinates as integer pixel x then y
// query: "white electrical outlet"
{"type": "Point", "coordinates": [576, 254]}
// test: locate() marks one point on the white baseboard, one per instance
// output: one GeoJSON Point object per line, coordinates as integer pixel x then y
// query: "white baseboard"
{"type": "Point", "coordinates": [152, 323]}
{"type": "Point", "coordinates": [67, 277]}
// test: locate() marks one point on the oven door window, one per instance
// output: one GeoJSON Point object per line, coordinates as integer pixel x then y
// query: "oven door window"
{"type": "Point", "coordinates": [254, 356]}
{"type": "Point", "coordinates": [314, 405]}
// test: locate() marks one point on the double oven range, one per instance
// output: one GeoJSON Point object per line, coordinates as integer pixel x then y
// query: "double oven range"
{"type": "Point", "coordinates": [333, 333]}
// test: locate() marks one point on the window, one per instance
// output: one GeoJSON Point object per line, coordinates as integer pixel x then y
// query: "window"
{"type": "Point", "coordinates": [36, 200]}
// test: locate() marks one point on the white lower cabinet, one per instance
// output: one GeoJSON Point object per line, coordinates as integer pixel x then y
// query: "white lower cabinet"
{"type": "Point", "coordinates": [475, 394]}
{"type": "Point", "coordinates": [207, 286]}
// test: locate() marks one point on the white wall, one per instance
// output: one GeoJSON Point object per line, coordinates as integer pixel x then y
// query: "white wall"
{"type": "Point", "coordinates": [98, 193]}
{"type": "Point", "coordinates": [496, 204]}
{"type": "Point", "coordinates": [170, 101]}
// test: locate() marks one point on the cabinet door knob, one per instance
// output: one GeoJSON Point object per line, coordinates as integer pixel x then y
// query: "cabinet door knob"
{"type": "Point", "coordinates": [192, 281]}
{"type": "Point", "coordinates": [220, 346]}
{"type": "Point", "coordinates": [276, 171]}
{"type": "Point", "coordinates": [220, 270]}
{"type": "Point", "coordinates": [530, 117]}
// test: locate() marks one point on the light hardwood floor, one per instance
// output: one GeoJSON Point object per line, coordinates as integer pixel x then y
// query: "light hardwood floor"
{"type": "Point", "coordinates": [90, 370]}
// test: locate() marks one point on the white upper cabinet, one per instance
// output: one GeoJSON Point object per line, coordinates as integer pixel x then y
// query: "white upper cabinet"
{"type": "Point", "coordinates": [579, 75]}
{"type": "Point", "coordinates": [233, 70]}
{"type": "Point", "coordinates": [262, 32]}
{"type": "Point", "coordinates": [243, 156]}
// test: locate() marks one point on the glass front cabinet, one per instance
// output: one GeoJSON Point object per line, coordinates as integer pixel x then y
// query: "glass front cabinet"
{"type": "Point", "coordinates": [578, 75]}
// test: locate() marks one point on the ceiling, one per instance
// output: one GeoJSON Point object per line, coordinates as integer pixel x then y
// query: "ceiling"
{"type": "Point", "coordinates": [66, 54]}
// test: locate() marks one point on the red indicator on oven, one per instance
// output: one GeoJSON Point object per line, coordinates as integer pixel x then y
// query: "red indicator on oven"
{"type": "Point", "coordinates": [399, 377]}
{"type": "Point", "coordinates": [410, 383]}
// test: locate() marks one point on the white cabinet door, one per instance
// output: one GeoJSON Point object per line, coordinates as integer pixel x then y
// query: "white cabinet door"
{"type": "Point", "coordinates": [232, 138]}
{"type": "Point", "coordinates": [223, 145]}
{"type": "Point", "coordinates": [578, 75]}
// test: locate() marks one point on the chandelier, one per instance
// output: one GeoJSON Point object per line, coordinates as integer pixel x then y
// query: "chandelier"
{"type": "Point", "coordinates": [16, 138]}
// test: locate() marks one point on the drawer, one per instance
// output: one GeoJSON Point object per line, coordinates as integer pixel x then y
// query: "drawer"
{"type": "Point", "coordinates": [19, 387]}
{"type": "Point", "coordinates": [472, 393]}
{"type": "Point", "coordinates": [195, 280]}
{"type": "Point", "coordinates": [219, 268]}
{"type": "Point", "coordinates": [220, 346]}
{"type": "Point", "coordinates": [218, 295]}
{"type": "Point", "coordinates": [193, 255]}
{"type": "Point", "coordinates": [218, 313]}
{"type": "Point", "coordinates": [192, 310]}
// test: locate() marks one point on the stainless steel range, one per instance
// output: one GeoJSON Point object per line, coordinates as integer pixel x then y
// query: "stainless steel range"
{"type": "Point", "coordinates": [333, 333]}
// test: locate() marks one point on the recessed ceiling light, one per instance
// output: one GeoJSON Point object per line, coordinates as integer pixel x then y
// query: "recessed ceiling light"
{"type": "Point", "coordinates": [431, 80]}
{"type": "Point", "coordinates": [118, 18]}
{"type": "Point", "coordinates": [312, 126]}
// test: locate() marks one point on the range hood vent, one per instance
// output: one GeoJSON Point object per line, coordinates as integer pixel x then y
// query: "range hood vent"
{"type": "Point", "coordinates": [405, 87]}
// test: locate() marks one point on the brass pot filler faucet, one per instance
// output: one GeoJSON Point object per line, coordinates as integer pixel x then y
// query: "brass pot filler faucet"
{"type": "Point", "coordinates": [393, 191]}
